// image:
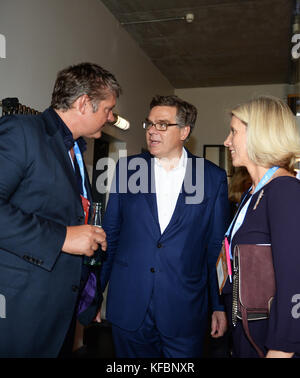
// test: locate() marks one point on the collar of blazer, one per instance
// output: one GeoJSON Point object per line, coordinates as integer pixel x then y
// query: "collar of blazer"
{"type": "Point", "coordinates": [191, 179]}
{"type": "Point", "coordinates": [51, 124]}
{"type": "Point", "coordinates": [56, 143]}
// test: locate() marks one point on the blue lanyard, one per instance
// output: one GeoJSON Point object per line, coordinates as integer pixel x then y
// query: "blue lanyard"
{"type": "Point", "coordinates": [240, 215]}
{"type": "Point", "coordinates": [79, 159]}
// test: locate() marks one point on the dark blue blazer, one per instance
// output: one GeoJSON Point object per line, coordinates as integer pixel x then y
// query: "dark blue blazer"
{"type": "Point", "coordinates": [38, 199]}
{"type": "Point", "coordinates": [175, 268]}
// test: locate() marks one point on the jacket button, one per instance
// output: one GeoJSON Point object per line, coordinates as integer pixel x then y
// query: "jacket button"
{"type": "Point", "coordinates": [159, 245]}
{"type": "Point", "coordinates": [152, 270]}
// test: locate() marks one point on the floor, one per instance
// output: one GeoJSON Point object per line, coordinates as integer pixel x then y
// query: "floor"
{"type": "Point", "coordinates": [99, 344]}
{"type": "Point", "coordinates": [97, 341]}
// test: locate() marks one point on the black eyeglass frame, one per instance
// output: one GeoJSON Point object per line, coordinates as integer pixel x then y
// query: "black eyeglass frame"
{"type": "Point", "coordinates": [163, 126]}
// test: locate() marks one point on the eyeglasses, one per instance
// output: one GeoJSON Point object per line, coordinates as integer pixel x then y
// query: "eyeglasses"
{"type": "Point", "coordinates": [160, 126]}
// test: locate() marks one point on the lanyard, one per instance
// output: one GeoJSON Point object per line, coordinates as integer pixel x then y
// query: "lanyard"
{"type": "Point", "coordinates": [79, 159]}
{"type": "Point", "coordinates": [240, 215]}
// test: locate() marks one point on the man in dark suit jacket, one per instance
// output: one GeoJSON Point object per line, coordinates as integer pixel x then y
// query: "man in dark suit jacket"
{"type": "Point", "coordinates": [165, 221]}
{"type": "Point", "coordinates": [43, 235]}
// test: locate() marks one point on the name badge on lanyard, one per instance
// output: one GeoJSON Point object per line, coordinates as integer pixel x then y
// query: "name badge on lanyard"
{"type": "Point", "coordinates": [223, 264]}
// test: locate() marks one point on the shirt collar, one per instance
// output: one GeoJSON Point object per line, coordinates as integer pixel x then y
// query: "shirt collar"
{"type": "Point", "coordinates": [66, 133]}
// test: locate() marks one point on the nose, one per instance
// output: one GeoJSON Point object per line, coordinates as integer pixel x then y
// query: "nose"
{"type": "Point", "coordinates": [227, 141]}
{"type": "Point", "coordinates": [111, 117]}
{"type": "Point", "coordinates": [152, 129]}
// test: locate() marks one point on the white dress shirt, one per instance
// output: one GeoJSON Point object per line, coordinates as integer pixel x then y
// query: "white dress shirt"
{"type": "Point", "coordinates": [168, 185]}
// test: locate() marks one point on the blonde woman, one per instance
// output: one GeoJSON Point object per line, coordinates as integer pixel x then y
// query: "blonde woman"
{"type": "Point", "coordinates": [264, 138]}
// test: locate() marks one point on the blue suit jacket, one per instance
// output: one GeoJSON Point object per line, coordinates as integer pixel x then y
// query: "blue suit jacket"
{"type": "Point", "coordinates": [38, 199]}
{"type": "Point", "coordinates": [177, 267]}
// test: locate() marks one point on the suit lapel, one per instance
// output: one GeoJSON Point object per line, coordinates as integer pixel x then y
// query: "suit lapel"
{"type": "Point", "coordinates": [88, 185]}
{"type": "Point", "coordinates": [189, 178]}
{"type": "Point", "coordinates": [181, 200]}
{"type": "Point", "coordinates": [150, 196]}
{"type": "Point", "coordinates": [56, 143]}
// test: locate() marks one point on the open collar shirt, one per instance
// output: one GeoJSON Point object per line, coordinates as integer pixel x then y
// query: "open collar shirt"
{"type": "Point", "coordinates": [168, 185]}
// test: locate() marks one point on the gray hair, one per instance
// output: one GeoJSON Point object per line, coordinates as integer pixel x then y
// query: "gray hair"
{"type": "Point", "coordinates": [85, 78]}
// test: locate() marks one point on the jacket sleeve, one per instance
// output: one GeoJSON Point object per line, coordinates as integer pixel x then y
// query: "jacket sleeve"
{"type": "Point", "coordinates": [219, 223]}
{"type": "Point", "coordinates": [283, 209]}
{"type": "Point", "coordinates": [22, 233]}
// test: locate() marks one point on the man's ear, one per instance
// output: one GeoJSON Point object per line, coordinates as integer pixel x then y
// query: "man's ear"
{"type": "Point", "coordinates": [81, 103]}
{"type": "Point", "coordinates": [185, 131]}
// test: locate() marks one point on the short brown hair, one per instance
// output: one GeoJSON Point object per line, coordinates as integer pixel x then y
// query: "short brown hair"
{"type": "Point", "coordinates": [186, 113]}
{"type": "Point", "coordinates": [85, 78]}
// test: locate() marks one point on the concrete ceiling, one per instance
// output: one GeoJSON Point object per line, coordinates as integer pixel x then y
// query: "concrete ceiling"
{"type": "Point", "coordinates": [230, 42]}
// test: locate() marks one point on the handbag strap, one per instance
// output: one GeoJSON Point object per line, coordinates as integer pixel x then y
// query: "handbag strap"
{"type": "Point", "coordinates": [246, 328]}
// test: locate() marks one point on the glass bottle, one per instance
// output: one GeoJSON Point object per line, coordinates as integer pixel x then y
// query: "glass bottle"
{"type": "Point", "coordinates": [95, 220]}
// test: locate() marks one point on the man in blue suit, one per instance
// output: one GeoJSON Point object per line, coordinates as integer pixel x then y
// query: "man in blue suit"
{"type": "Point", "coordinates": [165, 221]}
{"type": "Point", "coordinates": [43, 208]}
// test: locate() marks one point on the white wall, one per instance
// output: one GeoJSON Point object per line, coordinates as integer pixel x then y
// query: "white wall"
{"type": "Point", "coordinates": [213, 106]}
{"type": "Point", "coordinates": [44, 36]}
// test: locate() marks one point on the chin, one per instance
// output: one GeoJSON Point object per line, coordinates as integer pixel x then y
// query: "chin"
{"type": "Point", "coordinates": [238, 165]}
{"type": "Point", "coordinates": [235, 163]}
{"type": "Point", "coordinates": [96, 135]}
{"type": "Point", "coordinates": [155, 153]}
{"type": "Point", "coordinates": [151, 150]}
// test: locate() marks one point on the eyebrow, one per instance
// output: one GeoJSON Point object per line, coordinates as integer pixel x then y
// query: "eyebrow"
{"type": "Point", "coordinates": [159, 121]}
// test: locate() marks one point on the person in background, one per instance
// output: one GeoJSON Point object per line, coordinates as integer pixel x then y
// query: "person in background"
{"type": "Point", "coordinates": [239, 183]}
{"type": "Point", "coordinates": [264, 138]}
{"type": "Point", "coordinates": [44, 200]}
{"type": "Point", "coordinates": [164, 240]}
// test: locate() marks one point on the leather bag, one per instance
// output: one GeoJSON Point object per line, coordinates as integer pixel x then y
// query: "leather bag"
{"type": "Point", "coordinates": [253, 285]}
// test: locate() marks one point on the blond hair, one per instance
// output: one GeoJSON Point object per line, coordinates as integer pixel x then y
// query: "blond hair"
{"type": "Point", "coordinates": [272, 133]}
